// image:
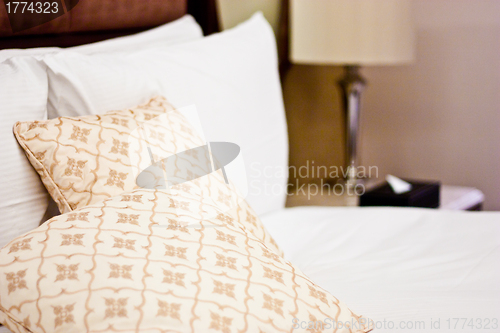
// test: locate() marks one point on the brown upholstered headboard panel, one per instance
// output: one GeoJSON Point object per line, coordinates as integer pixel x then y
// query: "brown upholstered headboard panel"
{"type": "Point", "coordinates": [66, 23]}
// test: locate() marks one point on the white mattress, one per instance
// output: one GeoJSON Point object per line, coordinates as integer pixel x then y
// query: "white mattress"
{"type": "Point", "coordinates": [400, 266]}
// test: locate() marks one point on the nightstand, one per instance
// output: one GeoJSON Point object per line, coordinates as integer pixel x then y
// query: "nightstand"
{"type": "Point", "coordinates": [461, 198]}
{"type": "Point", "coordinates": [451, 198]}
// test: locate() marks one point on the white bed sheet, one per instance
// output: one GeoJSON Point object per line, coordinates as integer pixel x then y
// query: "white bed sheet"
{"type": "Point", "coordinates": [400, 267]}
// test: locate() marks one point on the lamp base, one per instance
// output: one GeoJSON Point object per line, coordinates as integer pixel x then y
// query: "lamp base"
{"type": "Point", "coordinates": [348, 183]}
{"type": "Point", "coordinates": [352, 85]}
{"type": "Point", "coordinates": [352, 187]}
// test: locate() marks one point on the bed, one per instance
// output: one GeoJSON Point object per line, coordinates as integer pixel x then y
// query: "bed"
{"type": "Point", "coordinates": [119, 214]}
{"type": "Point", "coordinates": [412, 270]}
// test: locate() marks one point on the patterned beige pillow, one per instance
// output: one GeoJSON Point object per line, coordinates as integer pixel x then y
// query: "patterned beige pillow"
{"type": "Point", "coordinates": [84, 160]}
{"type": "Point", "coordinates": [133, 263]}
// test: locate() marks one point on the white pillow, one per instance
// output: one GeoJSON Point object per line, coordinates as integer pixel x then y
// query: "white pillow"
{"type": "Point", "coordinates": [23, 97]}
{"type": "Point", "coordinates": [231, 77]}
{"type": "Point", "coordinates": [178, 31]}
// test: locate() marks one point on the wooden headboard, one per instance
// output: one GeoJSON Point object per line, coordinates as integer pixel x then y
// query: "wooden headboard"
{"type": "Point", "coordinates": [75, 22]}
{"type": "Point", "coordinates": [87, 21]}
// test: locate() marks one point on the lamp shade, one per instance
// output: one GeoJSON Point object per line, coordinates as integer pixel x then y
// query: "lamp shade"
{"type": "Point", "coordinates": [351, 32]}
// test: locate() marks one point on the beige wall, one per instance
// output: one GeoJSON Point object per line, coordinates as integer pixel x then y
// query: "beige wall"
{"type": "Point", "coordinates": [436, 119]}
{"type": "Point", "coordinates": [232, 12]}
{"type": "Point", "coordinates": [440, 118]}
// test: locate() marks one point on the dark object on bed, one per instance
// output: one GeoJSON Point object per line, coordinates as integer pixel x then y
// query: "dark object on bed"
{"type": "Point", "coordinates": [422, 194]}
{"type": "Point", "coordinates": [96, 20]}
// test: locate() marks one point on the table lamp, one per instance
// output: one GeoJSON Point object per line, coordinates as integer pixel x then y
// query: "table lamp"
{"type": "Point", "coordinates": [351, 33]}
